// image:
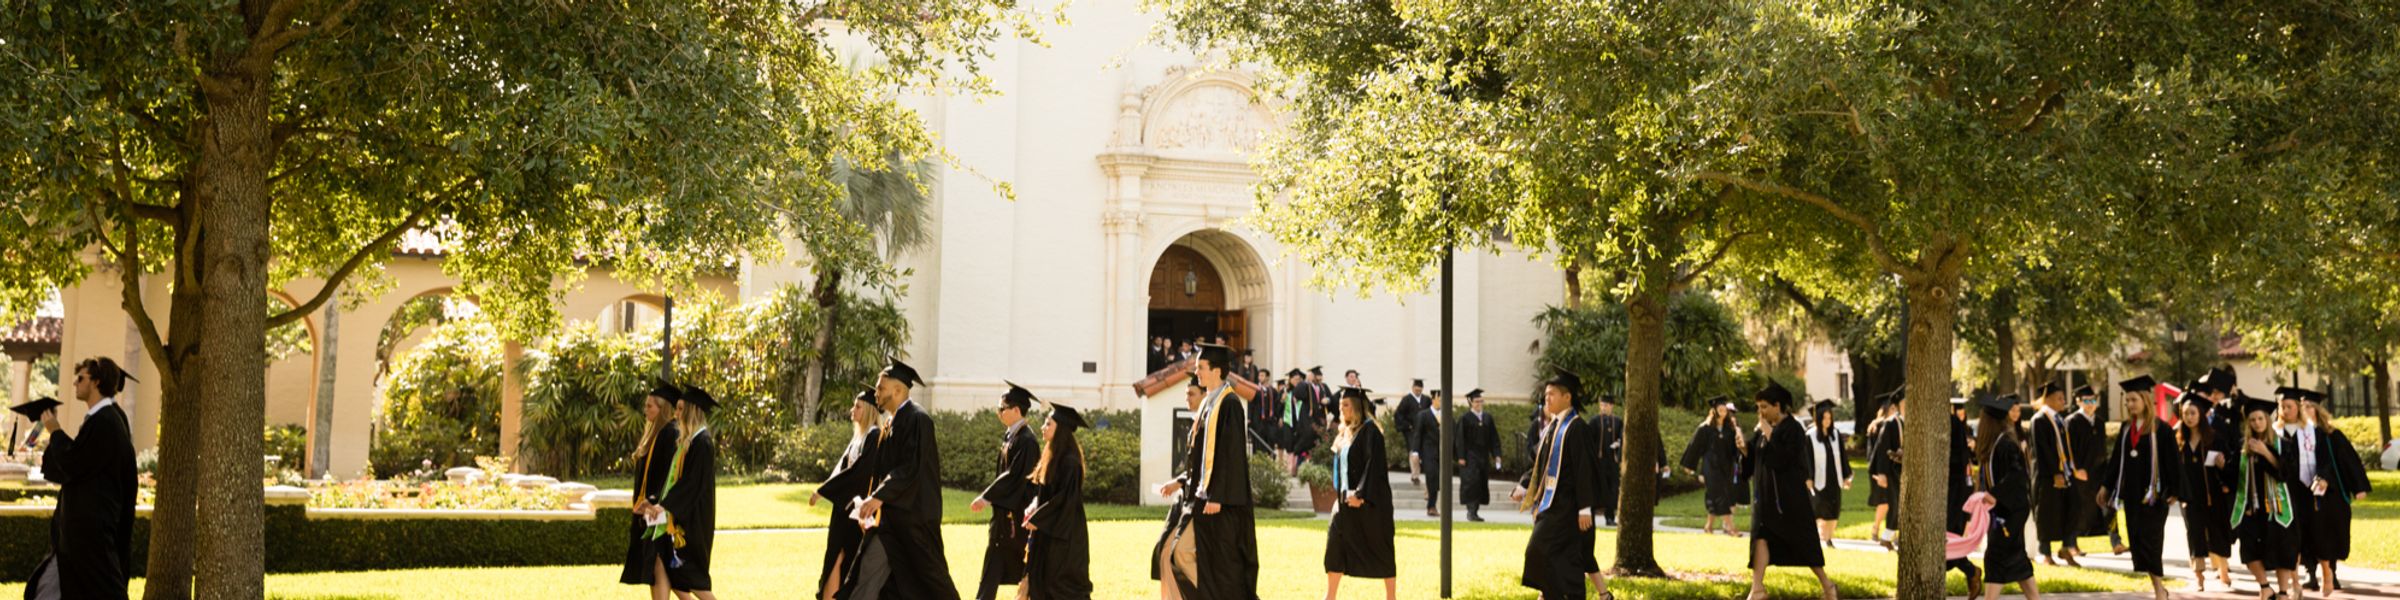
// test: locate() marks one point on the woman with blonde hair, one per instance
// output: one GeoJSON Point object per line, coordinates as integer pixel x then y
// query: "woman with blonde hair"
{"type": "Point", "coordinates": [846, 483]}
{"type": "Point", "coordinates": [2262, 508]}
{"type": "Point", "coordinates": [1359, 541]}
{"type": "Point", "coordinates": [683, 523]}
{"type": "Point", "coordinates": [658, 433]}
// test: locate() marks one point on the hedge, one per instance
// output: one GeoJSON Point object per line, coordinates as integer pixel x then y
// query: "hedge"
{"type": "Point", "coordinates": [296, 543]}
{"type": "Point", "coordinates": [1675, 429]}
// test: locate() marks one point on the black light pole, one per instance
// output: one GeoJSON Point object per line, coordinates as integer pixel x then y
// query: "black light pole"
{"type": "Point", "coordinates": [1449, 398]}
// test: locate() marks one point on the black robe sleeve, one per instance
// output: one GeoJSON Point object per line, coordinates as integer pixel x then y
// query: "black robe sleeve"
{"type": "Point", "coordinates": [849, 478]}
{"type": "Point", "coordinates": [2347, 464]}
{"type": "Point", "coordinates": [1009, 489]}
{"type": "Point", "coordinates": [1059, 498]}
{"type": "Point", "coordinates": [1702, 439]}
{"type": "Point", "coordinates": [1229, 484]}
{"type": "Point", "coordinates": [691, 497]}
{"type": "Point", "coordinates": [1584, 440]}
{"type": "Point", "coordinates": [1366, 469]}
{"type": "Point", "coordinates": [2011, 485]}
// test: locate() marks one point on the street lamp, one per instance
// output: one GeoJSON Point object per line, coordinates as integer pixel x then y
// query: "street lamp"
{"type": "Point", "coordinates": [2180, 334]}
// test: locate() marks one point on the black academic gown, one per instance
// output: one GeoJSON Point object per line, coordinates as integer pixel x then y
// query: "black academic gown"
{"type": "Point", "coordinates": [1961, 487]}
{"type": "Point", "coordinates": [640, 556]}
{"type": "Point", "coordinates": [2141, 476]}
{"type": "Point", "coordinates": [691, 503]}
{"type": "Point", "coordinates": [1405, 417]}
{"type": "Point", "coordinates": [1612, 461]}
{"type": "Point", "coordinates": [2054, 502]}
{"type": "Point", "coordinates": [1828, 476]}
{"type": "Point", "coordinates": [1427, 444]}
{"type": "Point", "coordinates": [91, 530]}
{"type": "Point", "coordinates": [2090, 442]}
{"type": "Point", "coordinates": [1058, 564]}
{"type": "Point", "coordinates": [2265, 540]}
{"type": "Point", "coordinates": [908, 475]}
{"type": "Point", "coordinates": [1009, 494]}
{"type": "Point", "coordinates": [2327, 535]}
{"type": "Point", "coordinates": [847, 482]}
{"type": "Point", "coordinates": [2206, 494]}
{"type": "Point", "coordinates": [1783, 516]}
{"type": "Point", "coordinates": [1560, 551]}
{"type": "Point", "coordinates": [1300, 435]}
{"type": "Point", "coordinates": [1225, 544]}
{"type": "Point", "coordinates": [1883, 459]}
{"type": "Point", "coordinates": [1714, 453]}
{"type": "Point", "coordinates": [1359, 542]}
{"type": "Point", "coordinates": [1481, 440]}
{"type": "Point", "coordinates": [2005, 475]}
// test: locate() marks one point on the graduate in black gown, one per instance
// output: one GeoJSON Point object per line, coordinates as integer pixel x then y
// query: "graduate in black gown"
{"type": "Point", "coordinates": [1425, 449]}
{"type": "Point", "coordinates": [1883, 465]}
{"type": "Point", "coordinates": [651, 459]}
{"type": "Point", "coordinates": [901, 556]}
{"type": "Point", "coordinates": [2056, 471]}
{"type": "Point", "coordinates": [1478, 458]}
{"type": "Point", "coordinates": [2088, 435]}
{"type": "Point", "coordinates": [1716, 448]}
{"type": "Point", "coordinates": [1830, 473]}
{"type": "Point", "coordinates": [1299, 417]}
{"type": "Point", "coordinates": [2262, 506]}
{"type": "Point", "coordinates": [2341, 479]}
{"type": "Point", "coordinates": [1359, 541]}
{"type": "Point", "coordinates": [1058, 559]}
{"type": "Point", "coordinates": [1563, 493]}
{"type": "Point", "coordinates": [1221, 533]}
{"type": "Point", "coordinates": [1612, 455]}
{"type": "Point", "coordinates": [1783, 531]}
{"type": "Point", "coordinates": [2207, 493]}
{"type": "Point", "coordinates": [687, 504]}
{"type": "Point", "coordinates": [1962, 487]}
{"type": "Point", "coordinates": [2005, 472]}
{"type": "Point", "coordinates": [847, 482]}
{"type": "Point", "coordinates": [2139, 475]}
{"type": "Point", "coordinates": [91, 529]}
{"type": "Point", "coordinates": [1174, 489]}
{"type": "Point", "coordinates": [1008, 494]}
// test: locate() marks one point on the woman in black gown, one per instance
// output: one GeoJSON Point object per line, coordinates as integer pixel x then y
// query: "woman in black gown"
{"type": "Point", "coordinates": [1714, 450]}
{"type": "Point", "coordinates": [2262, 507]}
{"type": "Point", "coordinates": [1058, 558]}
{"type": "Point", "coordinates": [2005, 472]}
{"type": "Point", "coordinates": [1883, 466]}
{"type": "Point", "coordinates": [2205, 496]}
{"type": "Point", "coordinates": [1782, 526]}
{"type": "Point", "coordinates": [688, 504]}
{"type": "Point", "coordinates": [652, 456]}
{"type": "Point", "coordinates": [1831, 474]}
{"type": "Point", "coordinates": [847, 482]}
{"type": "Point", "coordinates": [1359, 542]}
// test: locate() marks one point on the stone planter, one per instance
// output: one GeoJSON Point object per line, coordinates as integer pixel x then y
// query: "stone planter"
{"type": "Point", "coordinates": [1323, 497]}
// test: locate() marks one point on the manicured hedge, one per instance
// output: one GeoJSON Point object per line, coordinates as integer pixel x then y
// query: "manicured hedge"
{"type": "Point", "coordinates": [296, 543]}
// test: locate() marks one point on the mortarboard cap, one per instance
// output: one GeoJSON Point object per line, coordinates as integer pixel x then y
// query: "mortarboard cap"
{"type": "Point", "coordinates": [2049, 388]}
{"type": "Point", "coordinates": [1416, 383]}
{"type": "Point", "coordinates": [1067, 418]}
{"type": "Point", "coordinates": [1017, 396]}
{"type": "Point", "coordinates": [1317, 370]}
{"type": "Point", "coordinates": [2138, 384]}
{"type": "Point", "coordinates": [901, 372]}
{"type": "Point", "coordinates": [864, 396]}
{"type": "Point", "coordinates": [2219, 379]}
{"type": "Point", "coordinates": [667, 391]}
{"type": "Point", "coordinates": [2086, 392]}
{"type": "Point", "coordinates": [2290, 393]}
{"type": "Point", "coordinates": [695, 396]}
{"type": "Point", "coordinates": [1295, 373]}
{"type": "Point", "coordinates": [2251, 405]}
{"type": "Point", "coordinates": [2000, 403]}
{"type": "Point", "coordinates": [1569, 383]}
{"type": "Point", "coordinates": [1775, 394]}
{"type": "Point", "coordinates": [1219, 356]}
{"type": "Point", "coordinates": [33, 409]}
{"type": "Point", "coordinates": [1474, 393]}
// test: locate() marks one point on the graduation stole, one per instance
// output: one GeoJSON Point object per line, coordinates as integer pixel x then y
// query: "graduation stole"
{"type": "Point", "coordinates": [1211, 413]}
{"type": "Point", "coordinates": [2066, 452]}
{"type": "Point", "coordinates": [2277, 499]}
{"type": "Point", "coordinates": [1545, 458]}
{"type": "Point", "coordinates": [674, 472]}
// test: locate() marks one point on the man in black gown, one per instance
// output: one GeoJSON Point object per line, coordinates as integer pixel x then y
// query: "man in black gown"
{"type": "Point", "coordinates": [1217, 470]}
{"type": "Point", "coordinates": [1328, 414]}
{"type": "Point", "coordinates": [2055, 474]}
{"type": "Point", "coordinates": [1405, 416]}
{"type": "Point", "coordinates": [902, 514]}
{"type": "Point", "coordinates": [1783, 525]}
{"type": "Point", "coordinates": [1425, 449]}
{"type": "Point", "coordinates": [2140, 476]}
{"type": "Point", "coordinates": [1008, 495]}
{"type": "Point", "coordinates": [91, 530]}
{"type": "Point", "coordinates": [1481, 440]}
{"type": "Point", "coordinates": [1612, 455]}
{"type": "Point", "coordinates": [1563, 492]}
{"type": "Point", "coordinates": [2088, 435]}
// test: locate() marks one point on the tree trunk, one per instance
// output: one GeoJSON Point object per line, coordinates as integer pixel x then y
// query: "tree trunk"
{"type": "Point", "coordinates": [2383, 399]}
{"type": "Point", "coordinates": [175, 509]}
{"type": "Point", "coordinates": [1637, 488]}
{"type": "Point", "coordinates": [320, 427]}
{"type": "Point", "coordinates": [1575, 284]}
{"type": "Point", "coordinates": [2004, 364]}
{"type": "Point", "coordinates": [231, 217]}
{"type": "Point", "coordinates": [829, 303]}
{"type": "Point", "coordinates": [1924, 487]}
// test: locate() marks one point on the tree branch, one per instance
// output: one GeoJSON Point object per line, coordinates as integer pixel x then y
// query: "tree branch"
{"type": "Point", "coordinates": [1867, 227]}
{"type": "Point", "coordinates": [278, 32]}
{"type": "Point", "coordinates": [129, 276]}
{"type": "Point", "coordinates": [334, 281]}
{"type": "Point", "coordinates": [1722, 247]}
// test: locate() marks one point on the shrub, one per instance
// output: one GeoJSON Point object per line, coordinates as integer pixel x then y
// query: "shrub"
{"type": "Point", "coordinates": [1112, 463]}
{"type": "Point", "coordinates": [441, 401]}
{"type": "Point", "coordinates": [287, 442]}
{"type": "Point", "coordinates": [1705, 352]}
{"type": "Point", "coordinates": [1268, 487]}
{"type": "Point", "coordinates": [810, 453]}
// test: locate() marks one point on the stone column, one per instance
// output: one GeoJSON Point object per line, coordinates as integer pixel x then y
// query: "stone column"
{"type": "Point", "coordinates": [512, 398]}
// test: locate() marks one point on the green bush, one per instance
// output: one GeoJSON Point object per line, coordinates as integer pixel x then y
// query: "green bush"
{"type": "Point", "coordinates": [296, 543]}
{"type": "Point", "coordinates": [1112, 463]}
{"type": "Point", "coordinates": [1268, 487]}
{"type": "Point", "coordinates": [441, 402]}
{"type": "Point", "coordinates": [1706, 353]}
{"type": "Point", "coordinates": [808, 454]}
{"type": "Point", "coordinates": [2367, 434]}
{"type": "Point", "coordinates": [288, 443]}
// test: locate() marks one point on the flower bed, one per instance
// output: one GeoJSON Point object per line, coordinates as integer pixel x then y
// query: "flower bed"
{"type": "Point", "coordinates": [369, 493]}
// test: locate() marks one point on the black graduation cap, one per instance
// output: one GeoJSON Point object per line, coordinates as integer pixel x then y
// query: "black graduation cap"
{"type": "Point", "coordinates": [2290, 393]}
{"type": "Point", "coordinates": [1317, 370]}
{"type": "Point", "coordinates": [901, 372]}
{"type": "Point", "coordinates": [2086, 392]}
{"type": "Point", "coordinates": [1572, 384]}
{"type": "Point", "coordinates": [1067, 418]}
{"type": "Point", "coordinates": [2000, 403]}
{"type": "Point", "coordinates": [1474, 393]}
{"type": "Point", "coordinates": [1017, 396]}
{"type": "Point", "coordinates": [2219, 378]}
{"type": "Point", "coordinates": [1775, 394]}
{"type": "Point", "coordinates": [2312, 395]}
{"type": "Point", "coordinates": [33, 409]}
{"type": "Point", "coordinates": [1416, 383]}
{"type": "Point", "coordinates": [867, 396]}
{"type": "Point", "coordinates": [2138, 384]}
{"type": "Point", "coordinates": [2193, 399]}
{"type": "Point", "coordinates": [1824, 406]}
{"type": "Point", "coordinates": [2251, 405]}
{"type": "Point", "coordinates": [2048, 388]}
{"type": "Point", "coordinates": [667, 391]}
{"type": "Point", "coordinates": [695, 396]}
{"type": "Point", "coordinates": [1217, 355]}
{"type": "Point", "coordinates": [1295, 373]}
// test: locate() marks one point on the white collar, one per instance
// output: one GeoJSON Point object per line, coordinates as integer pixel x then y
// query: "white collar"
{"type": "Point", "coordinates": [103, 403]}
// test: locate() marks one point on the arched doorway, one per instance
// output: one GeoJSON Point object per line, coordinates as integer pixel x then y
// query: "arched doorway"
{"type": "Point", "coordinates": [1207, 284]}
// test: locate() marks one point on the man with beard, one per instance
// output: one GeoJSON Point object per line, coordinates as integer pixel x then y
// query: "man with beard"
{"type": "Point", "coordinates": [902, 514]}
{"type": "Point", "coordinates": [1222, 534]}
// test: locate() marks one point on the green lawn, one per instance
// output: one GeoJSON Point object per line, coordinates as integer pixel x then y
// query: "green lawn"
{"type": "Point", "coordinates": [785, 505]}
{"type": "Point", "coordinates": [1689, 510]}
{"type": "Point", "coordinates": [2375, 524]}
{"type": "Point", "coordinates": [773, 564]}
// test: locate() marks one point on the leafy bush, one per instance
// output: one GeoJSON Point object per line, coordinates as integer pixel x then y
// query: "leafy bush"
{"type": "Point", "coordinates": [1706, 353]}
{"type": "Point", "coordinates": [1268, 487]}
{"type": "Point", "coordinates": [2366, 433]}
{"type": "Point", "coordinates": [583, 401]}
{"type": "Point", "coordinates": [1112, 463]}
{"type": "Point", "coordinates": [288, 442]}
{"type": "Point", "coordinates": [809, 453]}
{"type": "Point", "coordinates": [441, 401]}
